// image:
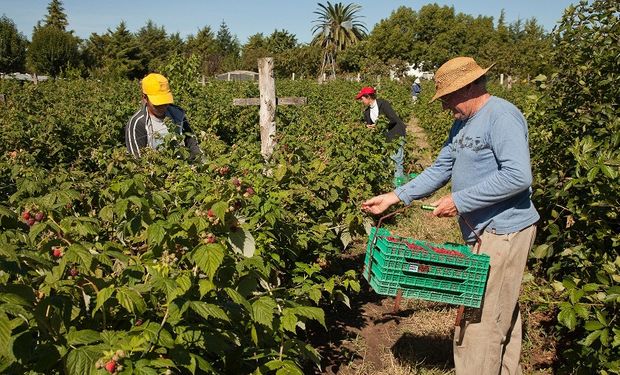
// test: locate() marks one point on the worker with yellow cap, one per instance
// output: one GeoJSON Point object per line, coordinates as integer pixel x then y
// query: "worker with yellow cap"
{"type": "Point", "coordinates": [486, 157]}
{"type": "Point", "coordinates": [148, 128]}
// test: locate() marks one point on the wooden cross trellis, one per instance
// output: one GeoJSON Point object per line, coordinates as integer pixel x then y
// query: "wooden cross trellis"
{"type": "Point", "coordinates": [268, 103]}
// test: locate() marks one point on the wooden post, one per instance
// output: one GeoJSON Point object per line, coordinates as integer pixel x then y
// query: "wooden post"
{"type": "Point", "coordinates": [267, 87]}
{"type": "Point", "coordinates": [2, 99]}
{"type": "Point", "coordinates": [268, 103]}
{"type": "Point", "coordinates": [501, 79]}
{"type": "Point", "coordinates": [293, 76]}
{"type": "Point", "coordinates": [399, 297]}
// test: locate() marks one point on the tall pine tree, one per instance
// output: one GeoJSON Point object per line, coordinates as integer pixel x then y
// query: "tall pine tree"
{"type": "Point", "coordinates": [56, 16]}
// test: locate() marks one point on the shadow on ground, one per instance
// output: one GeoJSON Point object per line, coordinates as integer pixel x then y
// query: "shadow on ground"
{"type": "Point", "coordinates": [344, 324]}
{"type": "Point", "coordinates": [424, 351]}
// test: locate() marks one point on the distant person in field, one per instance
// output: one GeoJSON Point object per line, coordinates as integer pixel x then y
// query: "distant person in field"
{"type": "Point", "coordinates": [149, 126]}
{"type": "Point", "coordinates": [415, 90]}
{"type": "Point", "coordinates": [395, 129]}
{"type": "Point", "coordinates": [486, 156]}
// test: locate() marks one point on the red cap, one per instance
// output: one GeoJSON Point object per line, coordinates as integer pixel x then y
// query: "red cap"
{"type": "Point", "coordinates": [365, 91]}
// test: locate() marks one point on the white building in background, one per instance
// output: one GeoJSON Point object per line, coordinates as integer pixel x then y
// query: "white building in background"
{"type": "Point", "coordinates": [418, 72]}
{"type": "Point", "coordinates": [22, 77]}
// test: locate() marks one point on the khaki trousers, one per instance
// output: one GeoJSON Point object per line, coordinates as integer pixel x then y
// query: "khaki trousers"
{"type": "Point", "coordinates": [490, 343]}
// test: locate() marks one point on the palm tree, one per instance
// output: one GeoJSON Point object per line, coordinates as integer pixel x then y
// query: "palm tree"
{"type": "Point", "coordinates": [336, 28]}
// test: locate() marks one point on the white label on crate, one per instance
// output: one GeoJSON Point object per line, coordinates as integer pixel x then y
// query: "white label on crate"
{"type": "Point", "coordinates": [413, 267]}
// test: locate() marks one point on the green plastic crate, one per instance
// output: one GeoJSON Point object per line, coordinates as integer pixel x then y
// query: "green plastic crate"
{"type": "Point", "coordinates": [448, 273]}
{"type": "Point", "coordinates": [426, 264]}
{"type": "Point", "coordinates": [391, 289]}
{"type": "Point", "coordinates": [425, 281]}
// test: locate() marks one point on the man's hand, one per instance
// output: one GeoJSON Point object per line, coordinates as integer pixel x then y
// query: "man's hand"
{"type": "Point", "coordinates": [380, 203]}
{"type": "Point", "coordinates": [445, 207]}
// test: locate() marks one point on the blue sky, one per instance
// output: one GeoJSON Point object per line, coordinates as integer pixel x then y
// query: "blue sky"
{"type": "Point", "coordinates": [247, 17]}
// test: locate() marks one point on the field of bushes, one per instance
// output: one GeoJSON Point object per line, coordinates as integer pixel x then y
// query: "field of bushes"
{"type": "Point", "coordinates": [158, 264]}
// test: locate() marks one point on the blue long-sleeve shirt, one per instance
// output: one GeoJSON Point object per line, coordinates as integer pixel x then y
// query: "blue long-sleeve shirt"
{"type": "Point", "coordinates": [487, 158]}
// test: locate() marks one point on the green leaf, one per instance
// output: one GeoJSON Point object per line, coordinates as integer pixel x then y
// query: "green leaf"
{"type": "Point", "coordinates": [568, 318]}
{"type": "Point", "coordinates": [604, 337]}
{"type": "Point", "coordinates": [5, 334]}
{"type": "Point", "coordinates": [329, 285]}
{"type": "Point", "coordinates": [202, 363]}
{"type": "Point", "coordinates": [219, 209]}
{"type": "Point", "coordinates": [345, 238]}
{"type": "Point", "coordinates": [77, 253]}
{"type": "Point", "coordinates": [591, 337]}
{"type": "Point", "coordinates": [254, 335]}
{"type": "Point", "coordinates": [285, 367]}
{"type": "Point", "coordinates": [242, 242]}
{"type": "Point", "coordinates": [103, 295]}
{"type": "Point", "coordinates": [575, 295]}
{"type": "Point", "coordinates": [314, 313]}
{"type": "Point", "coordinates": [237, 298]}
{"type": "Point", "coordinates": [17, 294]}
{"type": "Point", "coordinates": [155, 233]}
{"type": "Point", "coordinates": [315, 294]}
{"type": "Point", "coordinates": [107, 213]}
{"type": "Point", "coordinates": [131, 300]}
{"type": "Point", "coordinates": [205, 286]}
{"type": "Point", "coordinates": [601, 317]}
{"type": "Point", "coordinates": [207, 310]}
{"type": "Point", "coordinates": [263, 310]}
{"type": "Point", "coordinates": [541, 251]}
{"type": "Point", "coordinates": [289, 320]}
{"type": "Point", "coordinates": [82, 360]}
{"type": "Point", "coordinates": [208, 258]}
{"type": "Point", "coordinates": [142, 369]}
{"type": "Point", "coordinates": [593, 325]}
{"type": "Point", "coordinates": [85, 336]}
{"type": "Point", "coordinates": [279, 172]}
{"type": "Point", "coordinates": [592, 174]}
{"type": "Point", "coordinates": [581, 310]}
{"type": "Point", "coordinates": [154, 332]}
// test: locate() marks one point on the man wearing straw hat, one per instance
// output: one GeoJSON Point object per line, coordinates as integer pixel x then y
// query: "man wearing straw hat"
{"type": "Point", "coordinates": [486, 156]}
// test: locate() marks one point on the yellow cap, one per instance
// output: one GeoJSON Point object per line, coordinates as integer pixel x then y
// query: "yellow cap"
{"type": "Point", "coordinates": [156, 87]}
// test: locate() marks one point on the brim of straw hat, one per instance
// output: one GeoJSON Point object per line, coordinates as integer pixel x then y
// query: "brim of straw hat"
{"type": "Point", "coordinates": [460, 82]}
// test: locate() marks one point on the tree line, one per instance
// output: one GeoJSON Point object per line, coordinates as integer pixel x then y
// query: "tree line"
{"type": "Point", "coordinates": [341, 45]}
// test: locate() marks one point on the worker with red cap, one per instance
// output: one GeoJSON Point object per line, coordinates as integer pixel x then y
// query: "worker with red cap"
{"type": "Point", "coordinates": [396, 127]}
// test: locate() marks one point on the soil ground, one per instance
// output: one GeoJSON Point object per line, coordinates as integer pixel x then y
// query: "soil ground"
{"type": "Point", "coordinates": [371, 337]}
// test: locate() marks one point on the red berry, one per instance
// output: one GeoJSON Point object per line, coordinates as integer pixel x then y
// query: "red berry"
{"type": "Point", "coordinates": [110, 366]}
{"type": "Point", "coordinates": [39, 216]}
{"type": "Point", "coordinates": [249, 191]}
{"type": "Point", "coordinates": [211, 238]}
{"type": "Point", "coordinates": [57, 252]}
{"type": "Point", "coordinates": [74, 272]}
{"type": "Point", "coordinates": [26, 215]}
{"type": "Point", "coordinates": [31, 222]}
{"type": "Point", "coordinates": [138, 323]}
{"type": "Point", "coordinates": [236, 182]}
{"type": "Point", "coordinates": [210, 213]}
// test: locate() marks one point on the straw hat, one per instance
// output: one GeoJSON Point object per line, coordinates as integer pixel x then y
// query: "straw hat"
{"type": "Point", "coordinates": [455, 74]}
